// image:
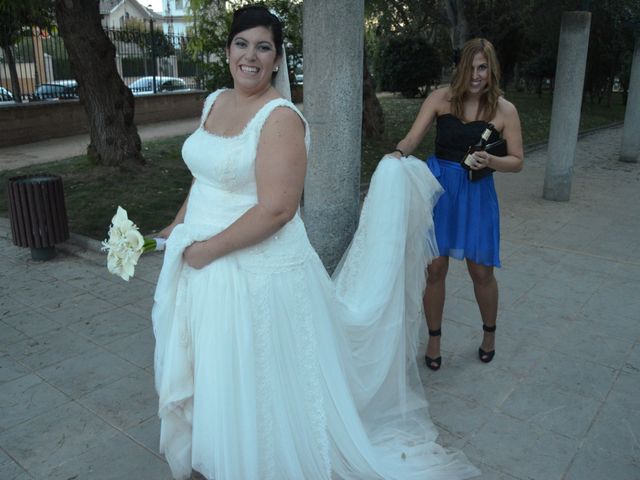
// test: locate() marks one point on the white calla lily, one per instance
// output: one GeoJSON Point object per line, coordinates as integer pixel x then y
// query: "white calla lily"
{"type": "Point", "coordinates": [124, 245]}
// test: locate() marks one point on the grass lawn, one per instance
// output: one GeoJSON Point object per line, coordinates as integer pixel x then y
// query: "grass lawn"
{"type": "Point", "coordinates": [153, 197]}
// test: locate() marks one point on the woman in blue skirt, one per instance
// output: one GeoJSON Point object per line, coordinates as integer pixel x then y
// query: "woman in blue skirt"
{"type": "Point", "coordinates": [467, 219]}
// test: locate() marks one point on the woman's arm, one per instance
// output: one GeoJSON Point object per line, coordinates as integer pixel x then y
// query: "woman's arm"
{"type": "Point", "coordinates": [281, 164]}
{"type": "Point", "coordinates": [512, 133]}
{"type": "Point", "coordinates": [428, 112]}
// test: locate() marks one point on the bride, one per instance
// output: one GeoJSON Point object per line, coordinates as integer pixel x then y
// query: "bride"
{"type": "Point", "coordinates": [265, 367]}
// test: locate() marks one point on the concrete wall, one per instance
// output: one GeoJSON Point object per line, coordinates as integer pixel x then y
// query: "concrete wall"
{"type": "Point", "coordinates": [33, 122]}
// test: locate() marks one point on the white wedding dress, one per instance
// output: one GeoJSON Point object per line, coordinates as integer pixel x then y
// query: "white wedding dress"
{"type": "Point", "coordinates": [265, 367]}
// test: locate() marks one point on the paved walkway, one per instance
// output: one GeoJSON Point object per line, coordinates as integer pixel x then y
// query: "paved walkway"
{"type": "Point", "coordinates": [560, 400]}
{"type": "Point", "coordinates": [60, 148]}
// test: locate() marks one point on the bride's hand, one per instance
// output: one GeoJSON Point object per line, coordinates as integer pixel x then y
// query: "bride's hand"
{"type": "Point", "coordinates": [196, 255]}
{"type": "Point", "coordinates": [166, 231]}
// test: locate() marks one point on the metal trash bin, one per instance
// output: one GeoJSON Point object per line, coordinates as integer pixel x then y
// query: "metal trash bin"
{"type": "Point", "coordinates": [38, 214]}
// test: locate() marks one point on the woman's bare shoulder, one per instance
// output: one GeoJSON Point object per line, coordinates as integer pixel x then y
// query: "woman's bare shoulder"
{"type": "Point", "coordinates": [440, 100]}
{"type": "Point", "coordinates": [505, 107]}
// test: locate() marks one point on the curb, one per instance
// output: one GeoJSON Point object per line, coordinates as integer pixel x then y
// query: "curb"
{"type": "Point", "coordinates": [77, 245]}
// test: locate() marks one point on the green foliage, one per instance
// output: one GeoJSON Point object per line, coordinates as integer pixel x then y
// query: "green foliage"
{"type": "Point", "coordinates": [409, 65]}
{"type": "Point", "coordinates": [386, 19]}
{"type": "Point", "coordinates": [17, 15]}
{"type": "Point", "coordinates": [611, 40]}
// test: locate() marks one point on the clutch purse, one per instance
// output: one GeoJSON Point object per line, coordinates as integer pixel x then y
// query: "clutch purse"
{"type": "Point", "coordinates": [497, 148]}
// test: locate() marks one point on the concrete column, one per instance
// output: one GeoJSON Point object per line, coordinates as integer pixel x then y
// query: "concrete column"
{"type": "Point", "coordinates": [333, 49]}
{"type": "Point", "coordinates": [567, 103]}
{"type": "Point", "coordinates": [630, 150]}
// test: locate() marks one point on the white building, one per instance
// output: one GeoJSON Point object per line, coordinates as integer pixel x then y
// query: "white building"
{"type": "Point", "coordinates": [115, 13]}
{"type": "Point", "coordinates": [177, 20]}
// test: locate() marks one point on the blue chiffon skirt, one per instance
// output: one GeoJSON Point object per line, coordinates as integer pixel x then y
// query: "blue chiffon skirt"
{"type": "Point", "coordinates": [466, 217]}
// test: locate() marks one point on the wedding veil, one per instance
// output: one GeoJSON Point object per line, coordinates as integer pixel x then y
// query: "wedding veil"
{"type": "Point", "coordinates": [281, 81]}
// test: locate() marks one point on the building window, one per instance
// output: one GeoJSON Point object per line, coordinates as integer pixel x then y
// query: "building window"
{"type": "Point", "coordinates": [178, 4]}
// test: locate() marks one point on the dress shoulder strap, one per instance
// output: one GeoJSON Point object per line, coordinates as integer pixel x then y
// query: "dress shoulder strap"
{"type": "Point", "coordinates": [208, 103]}
{"type": "Point", "coordinates": [261, 117]}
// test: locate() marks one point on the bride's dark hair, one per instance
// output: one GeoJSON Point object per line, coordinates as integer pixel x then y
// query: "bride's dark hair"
{"type": "Point", "coordinates": [256, 16]}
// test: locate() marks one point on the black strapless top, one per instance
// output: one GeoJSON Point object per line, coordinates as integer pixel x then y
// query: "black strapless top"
{"type": "Point", "coordinates": [454, 137]}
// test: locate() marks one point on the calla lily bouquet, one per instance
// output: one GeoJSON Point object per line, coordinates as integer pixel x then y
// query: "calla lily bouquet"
{"type": "Point", "coordinates": [125, 244]}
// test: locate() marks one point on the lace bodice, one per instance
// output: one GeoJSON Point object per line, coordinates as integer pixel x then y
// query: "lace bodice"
{"type": "Point", "coordinates": [225, 183]}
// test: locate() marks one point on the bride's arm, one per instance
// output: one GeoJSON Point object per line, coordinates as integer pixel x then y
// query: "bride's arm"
{"type": "Point", "coordinates": [281, 164]}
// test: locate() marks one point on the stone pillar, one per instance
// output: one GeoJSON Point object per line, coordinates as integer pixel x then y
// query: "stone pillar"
{"type": "Point", "coordinates": [567, 103]}
{"type": "Point", "coordinates": [333, 62]}
{"type": "Point", "coordinates": [630, 150]}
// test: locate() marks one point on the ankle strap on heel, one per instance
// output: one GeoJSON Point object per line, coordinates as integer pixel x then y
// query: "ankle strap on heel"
{"type": "Point", "coordinates": [435, 333]}
{"type": "Point", "coordinates": [488, 329]}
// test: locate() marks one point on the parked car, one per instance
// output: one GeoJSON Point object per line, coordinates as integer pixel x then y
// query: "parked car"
{"type": "Point", "coordinates": [56, 90]}
{"type": "Point", "coordinates": [144, 85]}
{"type": "Point", "coordinates": [5, 95]}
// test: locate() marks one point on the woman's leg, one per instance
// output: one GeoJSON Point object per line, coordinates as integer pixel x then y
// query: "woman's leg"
{"type": "Point", "coordinates": [485, 288]}
{"type": "Point", "coordinates": [433, 301]}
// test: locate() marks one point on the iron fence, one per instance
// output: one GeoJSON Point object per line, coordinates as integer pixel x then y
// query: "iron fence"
{"type": "Point", "coordinates": [37, 66]}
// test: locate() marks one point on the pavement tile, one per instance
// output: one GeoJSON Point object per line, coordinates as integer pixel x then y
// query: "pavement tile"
{"type": "Point", "coordinates": [615, 430]}
{"type": "Point", "coordinates": [624, 326]}
{"type": "Point", "coordinates": [594, 345]}
{"type": "Point", "coordinates": [9, 306]}
{"type": "Point", "coordinates": [10, 369]}
{"type": "Point", "coordinates": [75, 309]}
{"type": "Point", "coordinates": [126, 402]}
{"type": "Point", "coordinates": [517, 355]}
{"type": "Point", "coordinates": [112, 325]}
{"type": "Point", "coordinates": [124, 293]}
{"type": "Point", "coordinates": [593, 463]}
{"type": "Point", "coordinates": [48, 348]}
{"type": "Point", "coordinates": [456, 415]}
{"type": "Point", "coordinates": [625, 391]}
{"type": "Point", "coordinates": [40, 293]}
{"type": "Point", "coordinates": [137, 348]}
{"type": "Point", "coordinates": [458, 338]}
{"type": "Point", "coordinates": [9, 337]}
{"type": "Point", "coordinates": [13, 471]}
{"type": "Point", "coordinates": [541, 328]}
{"type": "Point", "coordinates": [490, 473]}
{"type": "Point", "coordinates": [77, 376]}
{"type": "Point", "coordinates": [113, 459]}
{"type": "Point", "coordinates": [470, 379]}
{"type": "Point", "coordinates": [147, 434]}
{"type": "Point", "coordinates": [574, 375]}
{"type": "Point", "coordinates": [534, 260]}
{"type": "Point", "coordinates": [632, 363]}
{"type": "Point", "coordinates": [520, 449]}
{"type": "Point", "coordinates": [463, 311]}
{"type": "Point", "coordinates": [615, 298]}
{"type": "Point", "coordinates": [53, 438]}
{"type": "Point", "coordinates": [31, 322]}
{"type": "Point", "coordinates": [541, 309]}
{"type": "Point", "coordinates": [25, 398]}
{"type": "Point", "coordinates": [549, 408]}
{"type": "Point", "coordinates": [141, 307]}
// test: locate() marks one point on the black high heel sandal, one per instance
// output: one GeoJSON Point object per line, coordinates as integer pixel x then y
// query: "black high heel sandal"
{"type": "Point", "coordinates": [486, 357]}
{"type": "Point", "coordinates": [434, 363]}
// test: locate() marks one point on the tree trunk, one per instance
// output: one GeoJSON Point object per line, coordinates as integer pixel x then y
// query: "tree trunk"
{"type": "Point", "coordinates": [13, 72]}
{"type": "Point", "coordinates": [108, 103]}
{"type": "Point", "coordinates": [458, 22]}
{"type": "Point", "coordinates": [372, 114]}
